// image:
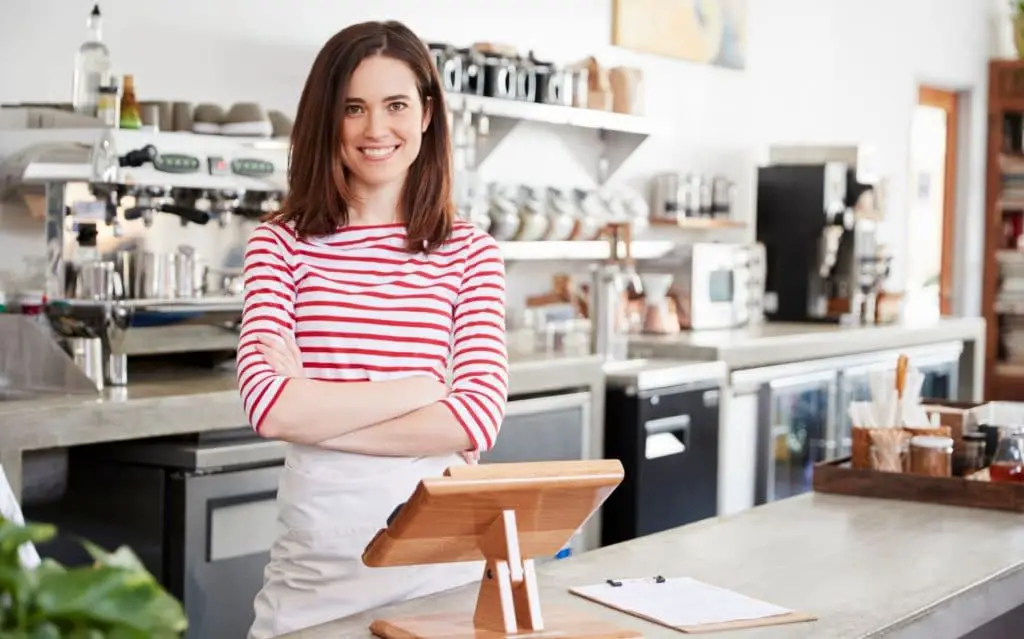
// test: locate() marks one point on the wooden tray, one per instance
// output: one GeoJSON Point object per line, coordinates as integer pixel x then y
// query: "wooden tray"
{"type": "Point", "coordinates": [838, 477]}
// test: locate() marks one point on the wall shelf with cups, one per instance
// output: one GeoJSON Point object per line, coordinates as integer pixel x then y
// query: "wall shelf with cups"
{"type": "Point", "coordinates": [494, 118]}
{"type": "Point", "coordinates": [576, 250]}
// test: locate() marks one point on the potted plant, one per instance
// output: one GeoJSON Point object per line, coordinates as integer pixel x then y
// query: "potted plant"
{"type": "Point", "coordinates": [114, 598]}
{"type": "Point", "coordinates": [1017, 20]}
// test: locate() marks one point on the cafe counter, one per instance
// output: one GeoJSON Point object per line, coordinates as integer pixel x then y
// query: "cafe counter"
{"type": "Point", "coordinates": [862, 567]}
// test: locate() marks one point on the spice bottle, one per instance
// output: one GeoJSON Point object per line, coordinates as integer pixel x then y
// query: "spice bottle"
{"type": "Point", "coordinates": [130, 116]}
{"type": "Point", "coordinates": [108, 107]}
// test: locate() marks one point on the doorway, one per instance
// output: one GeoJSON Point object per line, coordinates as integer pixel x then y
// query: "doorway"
{"type": "Point", "coordinates": [932, 222]}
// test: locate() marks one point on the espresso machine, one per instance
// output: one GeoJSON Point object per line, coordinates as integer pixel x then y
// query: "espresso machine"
{"type": "Point", "coordinates": [818, 222]}
{"type": "Point", "coordinates": [141, 234]}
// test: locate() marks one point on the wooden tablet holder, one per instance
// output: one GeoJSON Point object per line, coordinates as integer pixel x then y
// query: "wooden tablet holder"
{"type": "Point", "coordinates": [505, 514]}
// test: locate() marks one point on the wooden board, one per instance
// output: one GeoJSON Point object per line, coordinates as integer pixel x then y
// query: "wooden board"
{"type": "Point", "coordinates": [445, 517]}
{"type": "Point", "coordinates": [837, 477]}
{"type": "Point", "coordinates": [563, 624]}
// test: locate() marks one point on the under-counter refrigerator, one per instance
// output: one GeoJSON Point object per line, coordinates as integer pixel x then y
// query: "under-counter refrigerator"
{"type": "Point", "coordinates": [800, 416]}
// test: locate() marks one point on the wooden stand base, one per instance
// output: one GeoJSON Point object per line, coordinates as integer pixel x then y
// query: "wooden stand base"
{"type": "Point", "coordinates": [507, 604]}
{"type": "Point", "coordinates": [560, 625]}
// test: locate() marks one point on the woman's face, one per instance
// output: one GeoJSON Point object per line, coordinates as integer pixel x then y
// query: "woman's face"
{"type": "Point", "coordinates": [384, 122]}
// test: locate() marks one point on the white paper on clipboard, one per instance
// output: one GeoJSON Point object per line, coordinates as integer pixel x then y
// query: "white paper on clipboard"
{"type": "Point", "coordinates": [11, 510]}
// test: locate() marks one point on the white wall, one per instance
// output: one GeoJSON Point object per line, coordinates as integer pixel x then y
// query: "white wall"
{"type": "Point", "coordinates": [819, 71]}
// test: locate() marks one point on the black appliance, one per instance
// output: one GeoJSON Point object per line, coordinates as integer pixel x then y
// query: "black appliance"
{"type": "Point", "coordinates": [816, 224]}
{"type": "Point", "coordinates": [662, 424]}
{"type": "Point", "coordinates": [199, 511]}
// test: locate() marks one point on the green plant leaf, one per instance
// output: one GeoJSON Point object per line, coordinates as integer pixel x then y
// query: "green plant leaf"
{"type": "Point", "coordinates": [46, 630]}
{"type": "Point", "coordinates": [117, 598]}
{"type": "Point", "coordinates": [12, 536]}
{"type": "Point", "coordinates": [108, 595]}
{"type": "Point", "coordinates": [123, 557]}
{"type": "Point", "coordinates": [16, 587]}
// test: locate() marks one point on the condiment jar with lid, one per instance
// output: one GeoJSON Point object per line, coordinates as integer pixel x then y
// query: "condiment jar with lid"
{"type": "Point", "coordinates": [931, 455]}
{"type": "Point", "coordinates": [969, 457]}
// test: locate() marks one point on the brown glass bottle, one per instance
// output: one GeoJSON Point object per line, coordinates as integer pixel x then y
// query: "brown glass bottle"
{"type": "Point", "coordinates": [130, 116]}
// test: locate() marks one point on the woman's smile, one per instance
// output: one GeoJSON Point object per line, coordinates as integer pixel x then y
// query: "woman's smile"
{"type": "Point", "coordinates": [378, 153]}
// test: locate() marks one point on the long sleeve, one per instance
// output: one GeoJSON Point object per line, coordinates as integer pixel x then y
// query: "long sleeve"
{"type": "Point", "coordinates": [479, 354]}
{"type": "Point", "coordinates": [269, 306]}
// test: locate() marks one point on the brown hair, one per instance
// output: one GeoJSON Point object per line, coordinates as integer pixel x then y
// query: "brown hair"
{"type": "Point", "coordinates": [318, 195]}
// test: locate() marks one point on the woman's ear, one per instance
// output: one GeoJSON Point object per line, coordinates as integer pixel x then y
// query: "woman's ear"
{"type": "Point", "coordinates": [428, 110]}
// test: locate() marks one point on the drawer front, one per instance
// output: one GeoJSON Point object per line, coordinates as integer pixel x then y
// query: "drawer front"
{"type": "Point", "coordinates": [550, 428]}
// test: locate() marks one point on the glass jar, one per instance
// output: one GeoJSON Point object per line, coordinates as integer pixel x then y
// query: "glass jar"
{"type": "Point", "coordinates": [970, 457]}
{"type": "Point", "coordinates": [1008, 462]}
{"type": "Point", "coordinates": [931, 455]}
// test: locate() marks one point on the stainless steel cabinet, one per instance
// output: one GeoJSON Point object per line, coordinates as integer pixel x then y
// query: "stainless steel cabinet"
{"type": "Point", "coordinates": [201, 515]}
{"type": "Point", "coordinates": [552, 427]}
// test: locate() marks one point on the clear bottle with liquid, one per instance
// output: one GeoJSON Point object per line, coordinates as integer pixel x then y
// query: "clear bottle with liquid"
{"type": "Point", "coordinates": [92, 67]}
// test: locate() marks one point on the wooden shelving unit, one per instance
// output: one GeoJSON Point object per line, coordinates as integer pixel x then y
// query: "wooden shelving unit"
{"type": "Point", "coordinates": [1004, 223]}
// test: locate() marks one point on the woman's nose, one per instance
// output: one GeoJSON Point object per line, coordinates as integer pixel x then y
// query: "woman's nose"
{"type": "Point", "coordinates": [376, 124]}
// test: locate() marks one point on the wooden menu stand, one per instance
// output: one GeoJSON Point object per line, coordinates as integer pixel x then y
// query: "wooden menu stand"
{"type": "Point", "coordinates": [504, 514]}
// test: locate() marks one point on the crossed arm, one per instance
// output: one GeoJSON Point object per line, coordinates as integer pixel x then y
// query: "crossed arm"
{"type": "Point", "coordinates": [403, 417]}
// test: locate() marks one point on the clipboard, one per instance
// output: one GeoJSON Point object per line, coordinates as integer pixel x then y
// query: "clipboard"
{"type": "Point", "coordinates": [721, 609]}
{"type": "Point", "coordinates": [505, 514]}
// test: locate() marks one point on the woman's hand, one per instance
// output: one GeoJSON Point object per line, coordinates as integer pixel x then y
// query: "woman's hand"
{"type": "Point", "coordinates": [282, 353]}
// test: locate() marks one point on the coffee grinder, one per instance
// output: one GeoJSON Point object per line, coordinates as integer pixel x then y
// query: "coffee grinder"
{"type": "Point", "coordinates": [818, 223]}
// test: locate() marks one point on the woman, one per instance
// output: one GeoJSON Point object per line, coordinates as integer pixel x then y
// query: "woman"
{"type": "Point", "coordinates": [384, 293]}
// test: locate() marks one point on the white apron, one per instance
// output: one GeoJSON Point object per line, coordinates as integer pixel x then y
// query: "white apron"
{"type": "Point", "coordinates": [330, 506]}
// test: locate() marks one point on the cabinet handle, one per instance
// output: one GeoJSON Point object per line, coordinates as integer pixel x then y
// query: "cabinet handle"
{"type": "Point", "coordinates": [667, 424]}
{"type": "Point", "coordinates": [666, 436]}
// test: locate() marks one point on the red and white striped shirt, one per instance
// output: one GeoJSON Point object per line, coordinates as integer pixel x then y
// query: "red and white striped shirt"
{"type": "Point", "coordinates": [363, 308]}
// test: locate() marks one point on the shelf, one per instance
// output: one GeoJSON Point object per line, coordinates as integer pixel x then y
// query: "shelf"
{"type": "Point", "coordinates": [1015, 204]}
{"type": "Point", "coordinates": [621, 134]}
{"type": "Point", "coordinates": [701, 223]}
{"type": "Point", "coordinates": [1011, 164]}
{"type": "Point", "coordinates": [1014, 371]}
{"type": "Point", "coordinates": [551, 114]}
{"type": "Point", "coordinates": [580, 250]}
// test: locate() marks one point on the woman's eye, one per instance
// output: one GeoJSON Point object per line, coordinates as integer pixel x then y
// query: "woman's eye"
{"type": "Point", "coordinates": [353, 109]}
{"type": "Point", "coordinates": [397, 106]}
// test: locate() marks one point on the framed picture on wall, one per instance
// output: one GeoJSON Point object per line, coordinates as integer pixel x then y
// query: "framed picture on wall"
{"type": "Point", "coordinates": [704, 31]}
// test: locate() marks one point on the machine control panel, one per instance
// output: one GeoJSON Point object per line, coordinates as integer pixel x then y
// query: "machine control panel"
{"type": "Point", "coordinates": [176, 163]}
{"type": "Point", "coordinates": [250, 167]}
{"type": "Point", "coordinates": [218, 165]}
{"type": "Point", "coordinates": [245, 167]}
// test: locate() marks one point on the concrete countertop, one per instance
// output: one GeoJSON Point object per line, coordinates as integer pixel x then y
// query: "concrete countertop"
{"type": "Point", "coordinates": [172, 401]}
{"type": "Point", "coordinates": [864, 567]}
{"type": "Point", "coordinates": [183, 401]}
{"type": "Point", "coordinates": [777, 343]}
